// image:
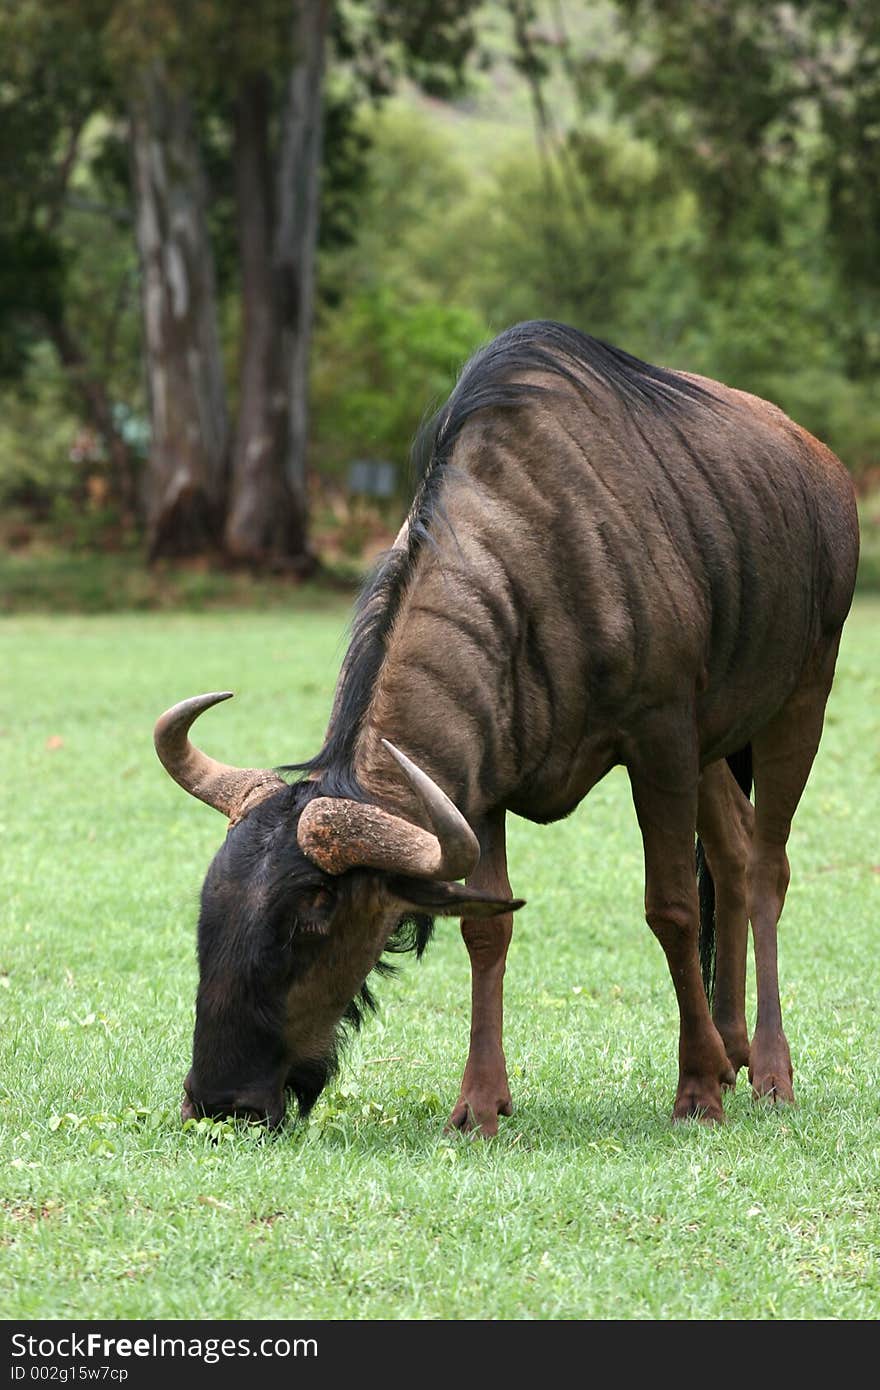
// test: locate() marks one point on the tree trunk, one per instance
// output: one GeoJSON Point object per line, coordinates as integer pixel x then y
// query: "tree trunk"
{"type": "Point", "coordinates": [187, 473]}
{"type": "Point", "coordinates": [299, 176]}
{"type": "Point", "coordinates": [267, 520]}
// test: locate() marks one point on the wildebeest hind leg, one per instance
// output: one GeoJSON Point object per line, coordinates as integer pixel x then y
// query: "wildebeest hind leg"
{"type": "Point", "coordinates": [663, 775]}
{"type": "Point", "coordinates": [725, 819]}
{"type": "Point", "coordinates": [485, 1093]}
{"type": "Point", "coordinates": [783, 754]}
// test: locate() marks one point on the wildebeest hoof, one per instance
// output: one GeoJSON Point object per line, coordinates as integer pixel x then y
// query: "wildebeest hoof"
{"type": "Point", "coordinates": [773, 1088]}
{"type": "Point", "coordinates": [770, 1071]}
{"type": "Point", "coordinates": [699, 1101]}
{"type": "Point", "coordinates": [477, 1118]}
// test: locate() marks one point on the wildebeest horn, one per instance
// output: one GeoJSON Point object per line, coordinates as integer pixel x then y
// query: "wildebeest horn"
{"type": "Point", "coordinates": [232, 790]}
{"type": "Point", "coordinates": [339, 834]}
{"type": "Point", "coordinates": [460, 846]}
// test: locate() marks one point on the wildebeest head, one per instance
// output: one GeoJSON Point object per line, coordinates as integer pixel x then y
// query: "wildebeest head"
{"type": "Point", "coordinates": [297, 908]}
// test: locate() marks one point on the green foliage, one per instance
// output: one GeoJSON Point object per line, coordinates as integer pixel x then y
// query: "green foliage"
{"type": "Point", "coordinates": [51, 77]}
{"type": "Point", "coordinates": [102, 294]}
{"type": "Point", "coordinates": [429, 41]}
{"type": "Point", "coordinates": [869, 557]}
{"type": "Point", "coordinates": [522, 239]}
{"type": "Point", "coordinates": [703, 193]}
{"type": "Point", "coordinates": [31, 291]}
{"type": "Point", "coordinates": [606, 233]}
{"type": "Point", "coordinates": [581, 239]}
{"type": "Point", "coordinates": [745, 96]}
{"type": "Point", "coordinates": [775, 315]}
{"type": "Point", "coordinates": [48, 443]}
{"type": "Point", "coordinates": [380, 365]}
{"type": "Point", "coordinates": [37, 434]}
{"type": "Point", "coordinates": [407, 215]}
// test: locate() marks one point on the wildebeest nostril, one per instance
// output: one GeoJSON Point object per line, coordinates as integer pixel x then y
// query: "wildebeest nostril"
{"type": "Point", "coordinates": [257, 1108]}
{"type": "Point", "coordinates": [265, 1106]}
{"type": "Point", "coordinates": [267, 1110]}
{"type": "Point", "coordinates": [271, 1116]}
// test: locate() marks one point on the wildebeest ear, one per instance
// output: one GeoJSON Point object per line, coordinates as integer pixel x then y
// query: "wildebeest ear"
{"type": "Point", "coordinates": [451, 899]}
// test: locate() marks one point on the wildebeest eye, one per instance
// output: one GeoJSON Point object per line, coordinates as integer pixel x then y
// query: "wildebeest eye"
{"type": "Point", "coordinates": [319, 899]}
{"type": "Point", "coordinates": [314, 909]}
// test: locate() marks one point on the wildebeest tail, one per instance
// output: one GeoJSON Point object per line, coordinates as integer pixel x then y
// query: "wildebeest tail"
{"type": "Point", "coordinates": [740, 764]}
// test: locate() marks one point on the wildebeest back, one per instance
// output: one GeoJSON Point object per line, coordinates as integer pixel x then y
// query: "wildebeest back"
{"type": "Point", "coordinates": [591, 550]}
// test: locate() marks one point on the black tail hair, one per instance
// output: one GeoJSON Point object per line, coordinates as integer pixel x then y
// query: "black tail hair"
{"type": "Point", "coordinates": [740, 764]}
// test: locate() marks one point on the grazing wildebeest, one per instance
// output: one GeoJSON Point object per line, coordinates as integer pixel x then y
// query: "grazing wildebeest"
{"type": "Point", "coordinates": [606, 562]}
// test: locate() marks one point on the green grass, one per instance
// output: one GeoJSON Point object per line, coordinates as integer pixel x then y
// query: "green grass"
{"type": "Point", "coordinates": [590, 1204]}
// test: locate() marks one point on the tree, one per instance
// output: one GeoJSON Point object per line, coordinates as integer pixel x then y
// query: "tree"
{"type": "Point", "coordinates": [224, 111]}
{"type": "Point", "coordinates": [263, 81]}
{"type": "Point", "coordinates": [186, 482]}
{"type": "Point", "coordinates": [744, 98]}
{"type": "Point", "coordinates": [277, 192]}
{"type": "Point", "coordinates": [277, 203]}
{"type": "Point", "coordinates": [53, 80]}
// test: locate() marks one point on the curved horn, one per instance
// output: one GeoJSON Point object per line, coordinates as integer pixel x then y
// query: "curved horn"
{"type": "Point", "coordinates": [458, 843]}
{"type": "Point", "coordinates": [228, 789]}
{"type": "Point", "coordinates": [338, 834]}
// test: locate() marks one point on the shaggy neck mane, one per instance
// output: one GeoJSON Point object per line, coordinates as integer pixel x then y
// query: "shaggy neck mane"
{"type": "Point", "coordinates": [489, 381]}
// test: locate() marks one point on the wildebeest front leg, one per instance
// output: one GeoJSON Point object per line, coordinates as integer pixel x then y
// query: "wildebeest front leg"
{"type": "Point", "coordinates": [485, 1093]}
{"type": "Point", "coordinates": [664, 788]}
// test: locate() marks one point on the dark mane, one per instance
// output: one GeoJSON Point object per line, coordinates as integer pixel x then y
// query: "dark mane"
{"type": "Point", "coordinates": [376, 609]}
{"type": "Point", "coordinates": [485, 384]}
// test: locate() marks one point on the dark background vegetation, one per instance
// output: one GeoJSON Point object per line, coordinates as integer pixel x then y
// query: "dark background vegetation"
{"type": "Point", "coordinates": [242, 247]}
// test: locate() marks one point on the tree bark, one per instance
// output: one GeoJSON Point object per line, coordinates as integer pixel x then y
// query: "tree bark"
{"type": "Point", "coordinates": [268, 513]}
{"type": "Point", "coordinates": [187, 473]}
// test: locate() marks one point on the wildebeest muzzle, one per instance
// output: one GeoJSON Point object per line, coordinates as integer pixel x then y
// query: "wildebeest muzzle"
{"type": "Point", "coordinates": [254, 1104]}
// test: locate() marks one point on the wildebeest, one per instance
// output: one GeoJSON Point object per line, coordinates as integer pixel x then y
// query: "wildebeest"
{"type": "Point", "coordinates": [605, 563]}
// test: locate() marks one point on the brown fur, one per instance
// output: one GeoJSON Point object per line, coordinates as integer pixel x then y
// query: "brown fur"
{"type": "Point", "coordinates": [661, 592]}
{"type": "Point", "coordinates": [606, 564]}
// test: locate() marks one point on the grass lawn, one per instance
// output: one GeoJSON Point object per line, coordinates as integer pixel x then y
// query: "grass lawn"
{"type": "Point", "coordinates": [590, 1204]}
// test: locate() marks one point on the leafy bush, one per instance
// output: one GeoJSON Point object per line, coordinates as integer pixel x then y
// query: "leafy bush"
{"type": "Point", "coordinates": [605, 236]}
{"type": "Point", "coordinates": [38, 432]}
{"type": "Point", "coordinates": [379, 366]}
